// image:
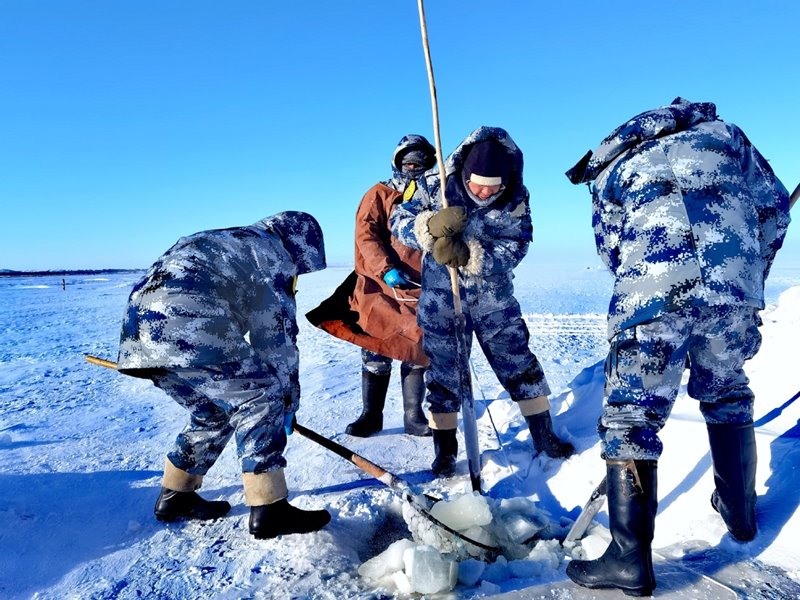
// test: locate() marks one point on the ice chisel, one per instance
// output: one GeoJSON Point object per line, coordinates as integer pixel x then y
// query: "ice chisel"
{"type": "Point", "coordinates": [589, 512]}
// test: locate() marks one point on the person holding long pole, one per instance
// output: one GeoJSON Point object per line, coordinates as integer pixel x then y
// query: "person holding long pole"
{"type": "Point", "coordinates": [485, 231]}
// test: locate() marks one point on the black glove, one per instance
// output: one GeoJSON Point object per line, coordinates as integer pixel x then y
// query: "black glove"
{"type": "Point", "coordinates": [448, 222]}
{"type": "Point", "coordinates": [450, 251]}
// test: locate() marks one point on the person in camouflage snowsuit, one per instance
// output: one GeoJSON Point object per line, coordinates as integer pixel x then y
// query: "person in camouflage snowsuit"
{"type": "Point", "coordinates": [687, 217]}
{"type": "Point", "coordinates": [212, 323]}
{"type": "Point", "coordinates": [376, 306]}
{"type": "Point", "coordinates": [485, 230]}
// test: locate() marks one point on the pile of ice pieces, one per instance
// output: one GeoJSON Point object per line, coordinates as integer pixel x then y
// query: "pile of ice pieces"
{"type": "Point", "coordinates": [436, 561]}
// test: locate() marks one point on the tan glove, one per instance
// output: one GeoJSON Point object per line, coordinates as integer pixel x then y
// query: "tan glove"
{"type": "Point", "coordinates": [450, 251]}
{"type": "Point", "coordinates": [448, 222]}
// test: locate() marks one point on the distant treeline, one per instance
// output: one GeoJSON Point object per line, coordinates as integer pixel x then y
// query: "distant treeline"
{"type": "Point", "coordinates": [7, 273]}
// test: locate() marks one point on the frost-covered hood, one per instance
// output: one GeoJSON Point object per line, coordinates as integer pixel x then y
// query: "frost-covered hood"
{"type": "Point", "coordinates": [458, 193]}
{"type": "Point", "coordinates": [301, 236]}
{"type": "Point", "coordinates": [455, 161]}
{"type": "Point", "coordinates": [406, 144]}
{"type": "Point", "coordinates": [665, 120]}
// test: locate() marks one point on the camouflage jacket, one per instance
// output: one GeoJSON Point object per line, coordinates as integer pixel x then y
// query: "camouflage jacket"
{"type": "Point", "coordinates": [686, 212]}
{"type": "Point", "coordinates": [498, 235]}
{"type": "Point", "coordinates": [223, 299]}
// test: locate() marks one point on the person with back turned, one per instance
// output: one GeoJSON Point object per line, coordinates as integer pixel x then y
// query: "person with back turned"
{"type": "Point", "coordinates": [688, 217]}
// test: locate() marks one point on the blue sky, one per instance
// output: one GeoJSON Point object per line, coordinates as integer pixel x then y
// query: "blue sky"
{"type": "Point", "coordinates": [127, 124]}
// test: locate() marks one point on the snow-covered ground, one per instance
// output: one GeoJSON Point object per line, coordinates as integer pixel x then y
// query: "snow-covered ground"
{"type": "Point", "coordinates": [82, 449]}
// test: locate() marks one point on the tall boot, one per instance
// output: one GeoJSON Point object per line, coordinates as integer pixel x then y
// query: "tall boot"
{"type": "Point", "coordinates": [271, 514]}
{"type": "Point", "coordinates": [445, 445]}
{"type": "Point", "coordinates": [172, 505]}
{"type": "Point", "coordinates": [627, 563]}
{"type": "Point", "coordinates": [413, 383]}
{"type": "Point", "coordinates": [373, 397]}
{"type": "Point", "coordinates": [733, 452]}
{"type": "Point", "coordinates": [178, 499]}
{"type": "Point", "coordinates": [545, 439]}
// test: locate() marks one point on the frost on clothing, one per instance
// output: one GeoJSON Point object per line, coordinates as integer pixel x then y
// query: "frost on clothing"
{"type": "Point", "coordinates": [498, 237]}
{"type": "Point", "coordinates": [688, 217]}
{"type": "Point", "coordinates": [196, 303]}
{"type": "Point", "coordinates": [212, 323]}
{"type": "Point", "coordinates": [686, 212]}
{"type": "Point", "coordinates": [364, 310]}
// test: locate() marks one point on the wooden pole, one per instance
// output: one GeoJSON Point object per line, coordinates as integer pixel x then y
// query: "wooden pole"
{"type": "Point", "coordinates": [467, 400]}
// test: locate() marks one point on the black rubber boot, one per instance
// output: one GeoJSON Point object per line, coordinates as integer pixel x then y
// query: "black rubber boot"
{"type": "Point", "coordinates": [445, 444]}
{"type": "Point", "coordinates": [172, 505]}
{"type": "Point", "coordinates": [544, 438]}
{"type": "Point", "coordinates": [373, 396]}
{"type": "Point", "coordinates": [627, 563]}
{"type": "Point", "coordinates": [733, 451]}
{"type": "Point", "coordinates": [281, 518]}
{"type": "Point", "coordinates": [413, 384]}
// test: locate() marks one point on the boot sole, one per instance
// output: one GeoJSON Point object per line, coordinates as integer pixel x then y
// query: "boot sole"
{"type": "Point", "coordinates": [637, 592]}
{"type": "Point", "coordinates": [170, 518]}
{"type": "Point", "coordinates": [271, 536]}
{"type": "Point", "coordinates": [608, 586]}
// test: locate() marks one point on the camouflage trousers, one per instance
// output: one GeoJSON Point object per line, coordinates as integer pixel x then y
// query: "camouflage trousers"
{"type": "Point", "coordinates": [222, 404]}
{"type": "Point", "coordinates": [644, 369]}
{"type": "Point", "coordinates": [502, 334]}
{"type": "Point", "coordinates": [377, 364]}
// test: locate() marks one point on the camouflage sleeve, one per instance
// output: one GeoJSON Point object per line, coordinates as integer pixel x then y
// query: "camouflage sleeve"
{"type": "Point", "coordinates": [607, 225]}
{"type": "Point", "coordinates": [499, 241]}
{"type": "Point", "coordinates": [409, 220]}
{"type": "Point", "coordinates": [771, 198]}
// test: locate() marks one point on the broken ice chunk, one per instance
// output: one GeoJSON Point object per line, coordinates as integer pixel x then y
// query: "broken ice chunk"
{"type": "Point", "coordinates": [497, 572]}
{"type": "Point", "coordinates": [518, 528]}
{"type": "Point", "coordinates": [387, 562]}
{"type": "Point", "coordinates": [463, 512]}
{"type": "Point", "coordinates": [593, 546]}
{"type": "Point", "coordinates": [480, 535]}
{"type": "Point", "coordinates": [470, 571]}
{"type": "Point", "coordinates": [428, 571]}
{"type": "Point", "coordinates": [402, 583]}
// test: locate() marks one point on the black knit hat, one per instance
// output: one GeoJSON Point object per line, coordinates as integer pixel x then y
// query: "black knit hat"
{"type": "Point", "coordinates": [488, 163]}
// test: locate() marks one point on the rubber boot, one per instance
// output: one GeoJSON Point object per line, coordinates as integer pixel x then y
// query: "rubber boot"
{"type": "Point", "coordinates": [544, 438]}
{"type": "Point", "coordinates": [172, 505]}
{"type": "Point", "coordinates": [373, 396]}
{"type": "Point", "coordinates": [627, 563]}
{"type": "Point", "coordinates": [414, 420]}
{"type": "Point", "coordinates": [281, 518]}
{"type": "Point", "coordinates": [445, 444]}
{"type": "Point", "coordinates": [733, 452]}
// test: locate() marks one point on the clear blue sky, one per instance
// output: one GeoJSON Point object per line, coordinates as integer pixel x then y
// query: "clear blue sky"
{"type": "Point", "coordinates": [127, 124]}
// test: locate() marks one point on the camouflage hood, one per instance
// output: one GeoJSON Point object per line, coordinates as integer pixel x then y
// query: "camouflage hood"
{"type": "Point", "coordinates": [455, 161]}
{"type": "Point", "coordinates": [405, 145]}
{"type": "Point", "coordinates": [301, 236]}
{"type": "Point", "coordinates": [652, 124]}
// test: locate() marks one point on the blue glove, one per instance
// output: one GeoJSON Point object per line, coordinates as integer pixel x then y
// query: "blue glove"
{"type": "Point", "coordinates": [288, 422]}
{"type": "Point", "coordinates": [395, 278]}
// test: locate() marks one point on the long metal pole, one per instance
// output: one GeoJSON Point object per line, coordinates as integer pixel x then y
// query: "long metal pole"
{"type": "Point", "coordinates": [795, 195]}
{"type": "Point", "coordinates": [467, 400]}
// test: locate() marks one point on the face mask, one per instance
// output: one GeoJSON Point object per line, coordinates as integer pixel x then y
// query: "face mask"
{"type": "Point", "coordinates": [488, 201]}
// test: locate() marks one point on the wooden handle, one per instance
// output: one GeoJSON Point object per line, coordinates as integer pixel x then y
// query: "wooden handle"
{"type": "Point", "coordinates": [101, 362]}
